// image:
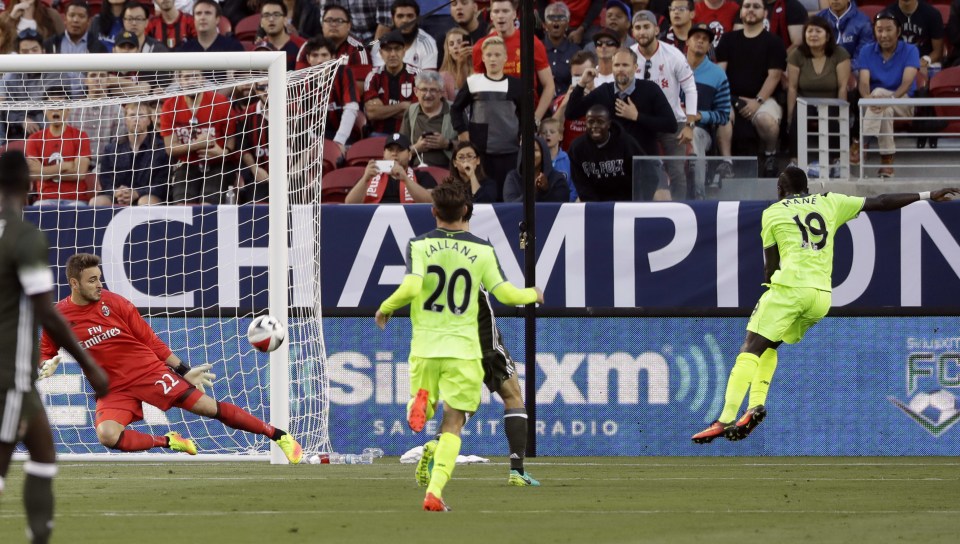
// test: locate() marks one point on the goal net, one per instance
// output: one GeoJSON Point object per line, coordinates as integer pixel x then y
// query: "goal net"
{"type": "Point", "coordinates": [201, 197]}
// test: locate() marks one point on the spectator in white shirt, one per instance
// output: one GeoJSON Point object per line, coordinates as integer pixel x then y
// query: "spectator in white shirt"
{"type": "Point", "coordinates": [421, 49]}
{"type": "Point", "coordinates": [666, 66]}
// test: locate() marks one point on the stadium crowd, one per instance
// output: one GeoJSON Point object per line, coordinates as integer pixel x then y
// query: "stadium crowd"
{"type": "Point", "coordinates": [433, 86]}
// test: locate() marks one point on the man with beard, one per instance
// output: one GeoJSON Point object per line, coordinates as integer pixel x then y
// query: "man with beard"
{"type": "Point", "coordinates": [639, 105]}
{"type": "Point", "coordinates": [421, 48]}
{"type": "Point", "coordinates": [666, 66]}
{"type": "Point", "coordinates": [337, 25]}
{"type": "Point", "coordinates": [754, 60]}
{"type": "Point", "coordinates": [602, 161]}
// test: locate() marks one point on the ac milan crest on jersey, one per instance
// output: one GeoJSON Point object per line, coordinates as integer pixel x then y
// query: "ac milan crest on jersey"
{"type": "Point", "coordinates": [406, 89]}
{"type": "Point", "coordinates": [105, 310]}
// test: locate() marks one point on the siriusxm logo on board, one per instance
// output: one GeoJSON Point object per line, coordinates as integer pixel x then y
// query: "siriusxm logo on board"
{"type": "Point", "coordinates": [703, 376]}
{"type": "Point", "coordinates": [933, 383]}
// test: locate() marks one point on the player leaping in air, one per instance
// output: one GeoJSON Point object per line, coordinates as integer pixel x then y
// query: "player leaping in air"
{"type": "Point", "coordinates": [141, 369]}
{"type": "Point", "coordinates": [798, 233]}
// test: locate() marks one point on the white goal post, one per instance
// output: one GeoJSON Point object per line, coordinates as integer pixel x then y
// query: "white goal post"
{"type": "Point", "coordinates": [211, 327]}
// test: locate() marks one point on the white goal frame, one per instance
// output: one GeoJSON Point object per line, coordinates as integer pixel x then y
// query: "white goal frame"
{"type": "Point", "coordinates": [275, 64]}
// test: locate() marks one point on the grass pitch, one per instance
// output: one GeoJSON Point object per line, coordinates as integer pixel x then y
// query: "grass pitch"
{"type": "Point", "coordinates": [595, 500]}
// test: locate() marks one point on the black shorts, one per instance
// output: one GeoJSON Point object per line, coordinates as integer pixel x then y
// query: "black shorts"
{"type": "Point", "coordinates": [17, 408]}
{"type": "Point", "coordinates": [498, 365]}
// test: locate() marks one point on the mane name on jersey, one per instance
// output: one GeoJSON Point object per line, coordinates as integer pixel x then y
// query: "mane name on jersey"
{"type": "Point", "coordinates": [96, 336]}
{"type": "Point", "coordinates": [441, 245]}
{"type": "Point", "coordinates": [810, 199]}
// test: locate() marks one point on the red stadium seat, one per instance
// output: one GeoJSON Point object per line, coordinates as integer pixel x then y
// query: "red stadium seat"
{"type": "Point", "coordinates": [224, 26]}
{"type": "Point", "coordinates": [944, 10]}
{"type": "Point", "coordinates": [336, 184]}
{"type": "Point", "coordinates": [331, 155]}
{"type": "Point", "coordinates": [437, 173]}
{"type": "Point", "coordinates": [872, 10]}
{"type": "Point", "coordinates": [248, 45]}
{"type": "Point", "coordinates": [247, 28]}
{"type": "Point", "coordinates": [14, 145]}
{"type": "Point", "coordinates": [95, 6]}
{"type": "Point", "coordinates": [946, 84]}
{"type": "Point", "coordinates": [361, 152]}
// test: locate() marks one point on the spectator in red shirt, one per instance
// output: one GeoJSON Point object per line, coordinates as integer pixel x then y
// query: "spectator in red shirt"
{"type": "Point", "coordinates": [195, 128]}
{"type": "Point", "coordinates": [388, 90]}
{"type": "Point", "coordinates": [503, 17]}
{"type": "Point", "coordinates": [574, 128]}
{"type": "Point", "coordinates": [252, 143]}
{"type": "Point", "coordinates": [273, 23]}
{"type": "Point", "coordinates": [719, 15]}
{"type": "Point", "coordinates": [169, 26]}
{"type": "Point", "coordinates": [336, 29]}
{"type": "Point", "coordinates": [343, 105]}
{"type": "Point", "coordinates": [59, 155]}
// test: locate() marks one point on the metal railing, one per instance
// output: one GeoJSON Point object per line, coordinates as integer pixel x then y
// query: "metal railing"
{"type": "Point", "coordinates": [823, 107]}
{"type": "Point", "coordinates": [914, 160]}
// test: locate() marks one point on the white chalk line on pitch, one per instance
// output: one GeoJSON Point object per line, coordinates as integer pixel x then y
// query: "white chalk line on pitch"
{"type": "Point", "coordinates": [790, 478]}
{"type": "Point", "coordinates": [406, 511]}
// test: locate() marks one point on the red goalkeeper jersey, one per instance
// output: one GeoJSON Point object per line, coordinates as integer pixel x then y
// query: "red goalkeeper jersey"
{"type": "Point", "coordinates": [115, 335]}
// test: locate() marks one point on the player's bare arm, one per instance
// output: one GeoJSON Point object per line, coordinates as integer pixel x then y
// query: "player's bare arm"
{"type": "Point", "coordinates": [895, 201]}
{"type": "Point", "coordinates": [57, 328]}
{"type": "Point", "coordinates": [771, 262]}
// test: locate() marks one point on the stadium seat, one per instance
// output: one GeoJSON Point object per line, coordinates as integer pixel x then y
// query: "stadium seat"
{"type": "Point", "coordinates": [944, 10]}
{"type": "Point", "coordinates": [437, 173]}
{"type": "Point", "coordinates": [95, 6]}
{"type": "Point", "coordinates": [361, 152]}
{"type": "Point", "coordinates": [331, 155]}
{"type": "Point", "coordinates": [946, 84]}
{"type": "Point", "coordinates": [248, 45]}
{"type": "Point", "coordinates": [11, 145]}
{"type": "Point", "coordinates": [224, 26]}
{"type": "Point", "coordinates": [246, 29]}
{"type": "Point", "coordinates": [336, 184]}
{"type": "Point", "coordinates": [871, 10]}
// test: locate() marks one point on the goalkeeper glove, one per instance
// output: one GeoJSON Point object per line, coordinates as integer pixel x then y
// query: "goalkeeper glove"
{"type": "Point", "coordinates": [199, 377]}
{"type": "Point", "coordinates": [49, 367]}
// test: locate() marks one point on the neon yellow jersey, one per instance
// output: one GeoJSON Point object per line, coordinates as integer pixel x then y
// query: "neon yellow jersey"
{"type": "Point", "coordinates": [453, 265]}
{"type": "Point", "coordinates": [804, 228]}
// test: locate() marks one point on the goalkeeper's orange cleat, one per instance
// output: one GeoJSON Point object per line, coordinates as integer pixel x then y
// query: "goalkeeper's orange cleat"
{"type": "Point", "coordinates": [417, 417]}
{"type": "Point", "coordinates": [715, 430]}
{"type": "Point", "coordinates": [433, 503]}
{"type": "Point", "coordinates": [291, 448]}
{"type": "Point", "coordinates": [179, 443]}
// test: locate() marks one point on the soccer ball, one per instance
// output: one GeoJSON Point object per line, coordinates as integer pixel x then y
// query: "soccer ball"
{"type": "Point", "coordinates": [938, 406]}
{"type": "Point", "coordinates": [266, 333]}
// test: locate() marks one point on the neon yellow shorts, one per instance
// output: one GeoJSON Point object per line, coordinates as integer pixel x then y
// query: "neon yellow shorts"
{"type": "Point", "coordinates": [787, 313]}
{"type": "Point", "coordinates": [456, 381]}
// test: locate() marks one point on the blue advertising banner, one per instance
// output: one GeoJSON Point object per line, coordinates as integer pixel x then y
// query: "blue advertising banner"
{"type": "Point", "coordinates": [605, 386]}
{"type": "Point", "coordinates": [652, 255]}
{"type": "Point", "coordinates": [643, 386]}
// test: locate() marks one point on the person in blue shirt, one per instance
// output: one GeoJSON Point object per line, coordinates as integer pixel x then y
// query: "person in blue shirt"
{"type": "Point", "coordinates": [888, 69]}
{"type": "Point", "coordinates": [851, 26]}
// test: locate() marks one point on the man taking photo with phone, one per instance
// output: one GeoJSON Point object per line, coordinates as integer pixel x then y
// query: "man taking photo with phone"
{"type": "Point", "coordinates": [392, 180]}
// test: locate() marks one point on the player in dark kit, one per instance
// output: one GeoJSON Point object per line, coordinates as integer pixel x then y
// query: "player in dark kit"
{"type": "Point", "coordinates": [28, 282]}
{"type": "Point", "coordinates": [141, 368]}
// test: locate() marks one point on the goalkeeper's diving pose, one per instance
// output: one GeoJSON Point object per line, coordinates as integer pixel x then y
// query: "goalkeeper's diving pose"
{"type": "Point", "coordinates": [141, 369]}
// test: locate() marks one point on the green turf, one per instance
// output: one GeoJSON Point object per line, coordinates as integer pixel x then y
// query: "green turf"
{"type": "Point", "coordinates": [582, 500]}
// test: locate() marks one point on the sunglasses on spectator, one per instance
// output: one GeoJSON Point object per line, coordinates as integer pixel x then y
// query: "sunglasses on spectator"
{"type": "Point", "coordinates": [557, 18]}
{"type": "Point", "coordinates": [466, 158]}
{"type": "Point", "coordinates": [605, 43]}
{"type": "Point", "coordinates": [647, 66]}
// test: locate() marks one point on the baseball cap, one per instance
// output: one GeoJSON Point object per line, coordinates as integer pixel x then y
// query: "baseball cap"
{"type": "Point", "coordinates": [127, 38]}
{"type": "Point", "coordinates": [398, 139]}
{"type": "Point", "coordinates": [701, 27]}
{"type": "Point", "coordinates": [608, 33]}
{"type": "Point", "coordinates": [645, 15]}
{"type": "Point", "coordinates": [393, 36]}
{"type": "Point", "coordinates": [622, 6]}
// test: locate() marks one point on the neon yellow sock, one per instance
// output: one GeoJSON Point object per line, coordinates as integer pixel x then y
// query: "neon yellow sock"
{"type": "Point", "coordinates": [444, 459]}
{"type": "Point", "coordinates": [761, 380]}
{"type": "Point", "coordinates": [740, 377]}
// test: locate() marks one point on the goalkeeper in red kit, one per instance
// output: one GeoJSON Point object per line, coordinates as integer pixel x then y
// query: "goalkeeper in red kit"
{"type": "Point", "coordinates": [141, 369]}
